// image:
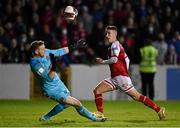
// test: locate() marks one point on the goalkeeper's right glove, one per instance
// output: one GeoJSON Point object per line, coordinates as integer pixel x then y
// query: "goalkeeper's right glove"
{"type": "Point", "coordinates": [79, 44]}
{"type": "Point", "coordinates": [53, 62]}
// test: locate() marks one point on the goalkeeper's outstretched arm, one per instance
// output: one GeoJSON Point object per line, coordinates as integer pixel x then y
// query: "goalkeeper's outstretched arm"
{"type": "Point", "coordinates": [58, 52]}
{"type": "Point", "coordinates": [65, 50]}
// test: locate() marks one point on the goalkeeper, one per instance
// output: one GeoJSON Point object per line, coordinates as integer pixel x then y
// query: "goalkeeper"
{"type": "Point", "coordinates": [44, 67]}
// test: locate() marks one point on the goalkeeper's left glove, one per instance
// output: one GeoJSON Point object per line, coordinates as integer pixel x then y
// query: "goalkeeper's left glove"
{"type": "Point", "coordinates": [79, 44]}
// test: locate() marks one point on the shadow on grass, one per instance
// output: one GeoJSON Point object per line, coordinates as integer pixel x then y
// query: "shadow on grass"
{"type": "Point", "coordinates": [135, 121]}
{"type": "Point", "coordinates": [55, 123]}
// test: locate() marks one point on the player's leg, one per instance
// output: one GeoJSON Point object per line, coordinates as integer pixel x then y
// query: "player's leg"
{"type": "Point", "coordinates": [102, 87]}
{"type": "Point", "coordinates": [141, 98]}
{"type": "Point", "coordinates": [147, 101]}
{"type": "Point", "coordinates": [82, 110]}
{"type": "Point", "coordinates": [57, 109]}
{"type": "Point", "coordinates": [125, 84]}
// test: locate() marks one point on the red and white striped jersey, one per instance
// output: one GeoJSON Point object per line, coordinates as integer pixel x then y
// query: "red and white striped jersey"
{"type": "Point", "coordinates": [122, 65]}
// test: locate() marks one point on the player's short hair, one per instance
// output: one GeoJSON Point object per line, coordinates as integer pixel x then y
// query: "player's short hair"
{"type": "Point", "coordinates": [35, 44]}
{"type": "Point", "coordinates": [111, 27]}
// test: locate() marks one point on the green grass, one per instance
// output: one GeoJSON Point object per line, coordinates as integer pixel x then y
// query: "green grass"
{"type": "Point", "coordinates": [120, 114]}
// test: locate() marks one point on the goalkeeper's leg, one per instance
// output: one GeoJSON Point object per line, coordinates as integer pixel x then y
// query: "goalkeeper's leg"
{"type": "Point", "coordinates": [148, 102]}
{"type": "Point", "coordinates": [82, 110]}
{"type": "Point", "coordinates": [57, 109]}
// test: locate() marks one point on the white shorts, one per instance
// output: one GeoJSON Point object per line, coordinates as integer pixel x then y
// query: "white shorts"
{"type": "Point", "coordinates": [120, 82]}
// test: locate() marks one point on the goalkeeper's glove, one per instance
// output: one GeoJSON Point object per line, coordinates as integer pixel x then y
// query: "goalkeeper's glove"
{"type": "Point", "coordinates": [53, 62]}
{"type": "Point", "coordinates": [79, 44]}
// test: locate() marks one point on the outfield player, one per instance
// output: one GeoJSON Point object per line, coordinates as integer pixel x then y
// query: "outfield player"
{"type": "Point", "coordinates": [43, 66]}
{"type": "Point", "coordinates": [119, 64]}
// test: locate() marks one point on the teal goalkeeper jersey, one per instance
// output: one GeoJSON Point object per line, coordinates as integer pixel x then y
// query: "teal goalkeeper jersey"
{"type": "Point", "coordinates": [41, 66]}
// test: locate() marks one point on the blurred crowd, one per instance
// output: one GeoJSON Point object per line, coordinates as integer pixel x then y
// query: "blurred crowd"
{"type": "Point", "coordinates": [138, 21]}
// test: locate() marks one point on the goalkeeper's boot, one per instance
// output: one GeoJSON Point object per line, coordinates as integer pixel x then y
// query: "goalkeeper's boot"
{"type": "Point", "coordinates": [161, 114]}
{"type": "Point", "coordinates": [98, 114]}
{"type": "Point", "coordinates": [44, 118]}
{"type": "Point", "coordinates": [99, 117]}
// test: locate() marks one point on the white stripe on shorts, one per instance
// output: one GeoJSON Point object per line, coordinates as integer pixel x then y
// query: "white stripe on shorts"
{"type": "Point", "coordinates": [109, 82]}
{"type": "Point", "coordinates": [121, 82]}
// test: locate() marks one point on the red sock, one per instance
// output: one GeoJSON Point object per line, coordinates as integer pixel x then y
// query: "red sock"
{"type": "Point", "coordinates": [148, 102]}
{"type": "Point", "coordinates": [99, 102]}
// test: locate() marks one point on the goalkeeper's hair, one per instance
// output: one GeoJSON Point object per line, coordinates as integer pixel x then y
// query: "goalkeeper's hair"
{"type": "Point", "coordinates": [35, 44]}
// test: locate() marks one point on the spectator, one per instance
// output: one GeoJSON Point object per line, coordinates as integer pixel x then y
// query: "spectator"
{"type": "Point", "coordinates": [14, 53]}
{"type": "Point", "coordinates": [3, 53]}
{"type": "Point", "coordinates": [152, 27]}
{"type": "Point", "coordinates": [162, 48]}
{"type": "Point", "coordinates": [176, 43]}
{"type": "Point", "coordinates": [109, 18]}
{"type": "Point", "coordinates": [97, 40]}
{"type": "Point", "coordinates": [171, 56]}
{"type": "Point", "coordinates": [86, 19]}
{"type": "Point", "coordinates": [168, 31]}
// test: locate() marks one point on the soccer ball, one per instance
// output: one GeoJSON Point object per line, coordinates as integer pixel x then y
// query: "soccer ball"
{"type": "Point", "coordinates": [70, 13]}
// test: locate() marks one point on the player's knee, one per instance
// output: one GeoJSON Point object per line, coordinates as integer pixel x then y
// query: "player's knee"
{"type": "Point", "coordinates": [96, 91]}
{"type": "Point", "coordinates": [135, 98]}
{"type": "Point", "coordinates": [134, 94]}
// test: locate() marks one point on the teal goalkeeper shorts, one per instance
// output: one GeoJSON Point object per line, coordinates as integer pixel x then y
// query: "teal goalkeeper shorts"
{"type": "Point", "coordinates": [58, 94]}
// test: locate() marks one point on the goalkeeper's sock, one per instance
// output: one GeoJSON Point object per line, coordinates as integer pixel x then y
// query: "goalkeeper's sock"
{"type": "Point", "coordinates": [99, 102]}
{"type": "Point", "coordinates": [84, 112]}
{"type": "Point", "coordinates": [57, 109]}
{"type": "Point", "coordinates": [148, 102]}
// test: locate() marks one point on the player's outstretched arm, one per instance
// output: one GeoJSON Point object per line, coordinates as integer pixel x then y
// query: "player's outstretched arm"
{"type": "Point", "coordinates": [108, 61]}
{"type": "Point", "coordinates": [58, 52]}
{"type": "Point", "coordinates": [65, 50]}
{"type": "Point", "coordinates": [99, 60]}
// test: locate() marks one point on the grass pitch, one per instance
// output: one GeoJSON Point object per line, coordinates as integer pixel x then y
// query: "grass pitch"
{"type": "Point", "coordinates": [20, 113]}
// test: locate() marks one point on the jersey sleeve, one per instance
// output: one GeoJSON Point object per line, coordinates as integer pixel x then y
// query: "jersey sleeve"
{"type": "Point", "coordinates": [115, 48]}
{"type": "Point", "coordinates": [57, 52]}
{"type": "Point", "coordinates": [42, 72]}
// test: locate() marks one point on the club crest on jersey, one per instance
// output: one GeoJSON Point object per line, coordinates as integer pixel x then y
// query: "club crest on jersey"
{"type": "Point", "coordinates": [114, 47]}
{"type": "Point", "coordinates": [40, 71]}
